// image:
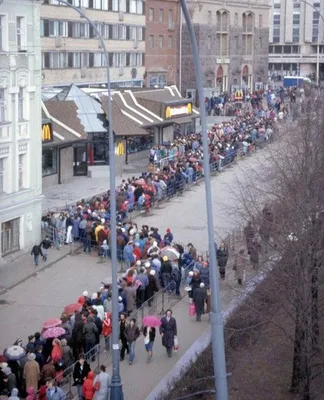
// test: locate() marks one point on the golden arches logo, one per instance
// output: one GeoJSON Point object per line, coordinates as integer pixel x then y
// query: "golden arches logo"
{"type": "Point", "coordinates": [120, 149]}
{"type": "Point", "coordinates": [46, 133]}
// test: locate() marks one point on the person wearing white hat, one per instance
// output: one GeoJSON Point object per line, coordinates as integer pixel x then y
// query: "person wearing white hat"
{"type": "Point", "coordinates": [199, 298]}
{"type": "Point", "coordinates": [152, 286]}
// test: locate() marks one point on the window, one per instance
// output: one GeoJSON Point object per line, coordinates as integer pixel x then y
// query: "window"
{"type": "Point", "coordinates": [151, 41]}
{"type": "Point", "coordinates": [10, 236]}
{"type": "Point", "coordinates": [21, 169]}
{"type": "Point", "coordinates": [296, 22]}
{"type": "Point", "coordinates": [209, 17]}
{"type": "Point", "coordinates": [247, 44]}
{"type": "Point", "coordinates": [21, 104]}
{"type": "Point", "coordinates": [260, 21]}
{"type": "Point", "coordinates": [315, 26]}
{"type": "Point", "coordinates": [21, 33]}
{"type": "Point", "coordinates": [132, 6]}
{"type": "Point", "coordinates": [151, 14]}
{"type": "Point", "coordinates": [2, 27]}
{"type": "Point", "coordinates": [2, 106]}
{"type": "Point", "coordinates": [2, 175]}
{"type": "Point", "coordinates": [248, 22]}
{"type": "Point", "coordinates": [224, 44]}
{"type": "Point", "coordinates": [276, 28]}
{"type": "Point", "coordinates": [115, 5]}
{"type": "Point", "coordinates": [209, 40]}
{"type": "Point", "coordinates": [139, 7]}
{"type": "Point", "coordinates": [236, 19]}
{"type": "Point", "coordinates": [170, 16]}
{"type": "Point", "coordinates": [160, 42]}
{"type": "Point", "coordinates": [161, 15]}
{"type": "Point", "coordinates": [170, 42]}
{"type": "Point", "coordinates": [49, 161]}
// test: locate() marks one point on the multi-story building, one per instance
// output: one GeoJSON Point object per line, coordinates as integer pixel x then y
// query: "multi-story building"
{"type": "Point", "coordinates": [20, 125]}
{"type": "Point", "coordinates": [233, 40]}
{"type": "Point", "coordinates": [296, 31]}
{"type": "Point", "coordinates": [162, 42]}
{"type": "Point", "coordinates": [71, 52]}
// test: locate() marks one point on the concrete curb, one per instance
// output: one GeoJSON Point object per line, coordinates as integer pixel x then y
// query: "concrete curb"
{"type": "Point", "coordinates": [33, 274]}
{"type": "Point", "coordinates": [200, 345]}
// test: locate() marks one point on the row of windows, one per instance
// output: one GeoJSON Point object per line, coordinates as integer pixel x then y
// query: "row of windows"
{"type": "Point", "coordinates": [90, 60]}
{"type": "Point", "coordinates": [287, 49]}
{"type": "Point", "coordinates": [53, 28]}
{"type": "Point", "coordinates": [127, 6]}
{"type": "Point", "coordinates": [158, 42]}
{"type": "Point", "coordinates": [3, 106]}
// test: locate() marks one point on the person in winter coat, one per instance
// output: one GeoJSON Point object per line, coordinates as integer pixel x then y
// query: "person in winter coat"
{"type": "Point", "coordinates": [122, 336]}
{"type": "Point", "coordinates": [88, 389]}
{"type": "Point", "coordinates": [151, 288]}
{"type": "Point", "coordinates": [128, 254]}
{"type": "Point", "coordinates": [80, 372]}
{"type": "Point", "coordinates": [199, 298]}
{"type": "Point", "coordinates": [11, 379]}
{"type": "Point", "coordinates": [77, 335]}
{"type": "Point", "coordinates": [31, 394]}
{"type": "Point", "coordinates": [45, 244]}
{"type": "Point", "coordinates": [130, 293]}
{"type": "Point", "coordinates": [101, 384]}
{"type": "Point", "coordinates": [56, 351]}
{"type": "Point", "coordinates": [132, 333]}
{"type": "Point", "coordinates": [31, 372]}
{"type": "Point", "coordinates": [240, 266]}
{"type": "Point", "coordinates": [67, 354]}
{"type": "Point", "coordinates": [168, 236]}
{"type": "Point", "coordinates": [176, 277]}
{"type": "Point", "coordinates": [222, 258]}
{"type": "Point", "coordinates": [14, 394]}
{"type": "Point", "coordinates": [53, 392]}
{"type": "Point", "coordinates": [166, 271]}
{"type": "Point", "coordinates": [168, 331]}
{"type": "Point", "coordinates": [89, 334]}
{"type": "Point", "coordinates": [48, 371]}
{"type": "Point", "coordinates": [36, 251]}
{"type": "Point", "coordinates": [149, 337]}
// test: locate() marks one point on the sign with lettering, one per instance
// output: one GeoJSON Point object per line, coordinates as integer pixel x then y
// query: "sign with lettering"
{"type": "Point", "coordinates": [174, 111]}
{"type": "Point", "coordinates": [47, 132]}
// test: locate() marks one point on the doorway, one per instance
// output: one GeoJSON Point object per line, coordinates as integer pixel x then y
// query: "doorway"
{"type": "Point", "coordinates": [10, 233]}
{"type": "Point", "coordinates": [80, 160]}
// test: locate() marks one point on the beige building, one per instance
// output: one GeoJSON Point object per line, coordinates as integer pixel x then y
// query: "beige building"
{"type": "Point", "coordinates": [71, 52]}
{"type": "Point", "coordinates": [295, 31]}
{"type": "Point", "coordinates": [233, 39]}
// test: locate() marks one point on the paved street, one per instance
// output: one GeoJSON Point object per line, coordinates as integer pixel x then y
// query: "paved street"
{"type": "Point", "coordinates": [45, 295]}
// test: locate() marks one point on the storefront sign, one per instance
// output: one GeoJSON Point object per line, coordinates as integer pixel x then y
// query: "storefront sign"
{"type": "Point", "coordinates": [120, 149]}
{"type": "Point", "coordinates": [47, 133]}
{"type": "Point", "coordinates": [174, 111]}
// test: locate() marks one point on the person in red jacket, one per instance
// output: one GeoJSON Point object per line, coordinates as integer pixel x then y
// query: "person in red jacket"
{"type": "Point", "coordinates": [137, 251]}
{"type": "Point", "coordinates": [107, 329]}
{"type": "Point", "coordinates": [88, 389]}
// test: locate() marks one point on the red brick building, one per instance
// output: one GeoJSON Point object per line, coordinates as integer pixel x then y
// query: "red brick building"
{"type": "Point", "coordinates": [162, 42]}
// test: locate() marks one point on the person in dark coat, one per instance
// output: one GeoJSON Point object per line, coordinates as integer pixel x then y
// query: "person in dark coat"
{"type": "Point", "coordinates": [90, 332]}
{"type": "Point", "coordinates": [77, 336]}
{"type": "Point", "coordinates": [80, 373]}
{"type": "Point", "coordinates": [168, 331]}
{"type": "Point", "coordinates": [222, 258]}
{"type": "Point", "coordinates": [122, 336]}
{"type": "Point", "coordinates": [151, 288]}
{"type": "Point", "coordinates": [36, 251]}
{"type": "Point", "coordinates": [199, 298]}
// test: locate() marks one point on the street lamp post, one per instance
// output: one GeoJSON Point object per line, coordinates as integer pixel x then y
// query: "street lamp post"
{"type": "Point", "coordinates": [318, 37]}
{"type": "Point", "coordinates": [116, 390]}
{"type": "Point", "coordinates": [216, 317]}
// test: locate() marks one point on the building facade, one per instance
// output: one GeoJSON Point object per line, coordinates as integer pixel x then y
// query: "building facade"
{"type": "Point", "coordinates": [162, 43]}
{"type": "Point", "coordinates": [233, 40]}
{"type": "Point", "coordinates": [20, 126]}
{"type": "Point", "coordinates": [71, 52]}
{"type": "Point", "coordinates": [296, 31]}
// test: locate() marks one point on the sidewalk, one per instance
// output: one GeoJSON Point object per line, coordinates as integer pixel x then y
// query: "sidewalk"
{"type": "Point", "coordinates": [23, 267]}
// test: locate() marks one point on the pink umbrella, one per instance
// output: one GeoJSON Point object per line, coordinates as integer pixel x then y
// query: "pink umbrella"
{"type": "Point", "coordinates": [51, 323]}
{"type": "Point", "coordinates": [151, 321]}
{"type": "Point", "coordinates": [54, 332]}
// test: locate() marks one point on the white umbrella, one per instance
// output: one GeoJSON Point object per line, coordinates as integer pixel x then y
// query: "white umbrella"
{"type": "Point", "coordinates": [15, 353]}
{"type": "Point", "coordinates": [170, 252]}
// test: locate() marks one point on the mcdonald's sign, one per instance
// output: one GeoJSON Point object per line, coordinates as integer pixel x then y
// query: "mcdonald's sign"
{"type": "Point", "coordinates": [120, 149]}
{"type": "Point", "coordinates": [47, 132]}
{"type": "Point", "coordinates": [174, 111]}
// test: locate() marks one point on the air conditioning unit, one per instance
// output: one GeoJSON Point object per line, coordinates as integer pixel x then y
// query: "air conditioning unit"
{"type": "Point", "coordinates": [121, 15]}
{"type": "Point", "coordinates": [135, 43]}
{"type": "Point", "coordinates": [121, 70]}
{"type": "Point", "coordinates": [58, 41]}
{"type": "Point", "coordinates": [83, 72]}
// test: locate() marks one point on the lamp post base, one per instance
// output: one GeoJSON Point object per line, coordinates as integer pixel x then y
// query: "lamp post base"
{"type": "Point", "coordinates": [116, 391]}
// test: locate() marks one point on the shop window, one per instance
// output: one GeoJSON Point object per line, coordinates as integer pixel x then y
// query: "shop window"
{"type": "Point", "coordinates": [49, 161]}
{"type": "Point", "coordinates": [10, 236]}
{"type": "Point", "coordinates": [139, 143]}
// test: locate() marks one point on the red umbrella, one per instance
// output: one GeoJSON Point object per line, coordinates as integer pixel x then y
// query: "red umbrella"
{"type": "Point", "coordinates": [51, 323]}
{"type": "Point", "coordinates": [71, 308]}
{"type": "Point", "coordinates": [54, 332]}
{"type": "Point", "coordinates": [151, 321]}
